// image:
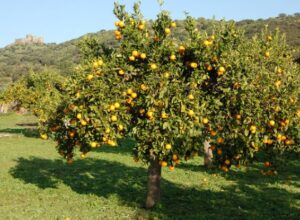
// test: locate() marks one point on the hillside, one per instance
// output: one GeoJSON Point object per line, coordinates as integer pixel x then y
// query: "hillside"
{"type": "Point", "coordinates": [17, 60]}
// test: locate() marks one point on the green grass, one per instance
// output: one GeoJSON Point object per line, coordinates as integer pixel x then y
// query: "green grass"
{"type": "Point", "coordinates": [35, 183]}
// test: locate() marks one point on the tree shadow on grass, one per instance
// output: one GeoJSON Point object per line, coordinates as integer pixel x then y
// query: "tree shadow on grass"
{"type": "Point", "coordinates": [105, 178]}
{"type": "Point", "coordinates": [27, 132]}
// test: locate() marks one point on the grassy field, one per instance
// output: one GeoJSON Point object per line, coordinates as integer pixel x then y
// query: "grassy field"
{"type": "Point", "coordinates": [35, 183]}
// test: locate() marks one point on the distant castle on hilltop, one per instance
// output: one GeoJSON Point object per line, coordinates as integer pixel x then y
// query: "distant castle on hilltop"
{"type": "Point", "coordinates": [29, 39]}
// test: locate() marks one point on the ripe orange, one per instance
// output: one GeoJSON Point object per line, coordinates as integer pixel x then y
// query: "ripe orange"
{"type": "Point", "coordinates": [227, 162]}
{"type": "Point", "coordinates": [253, 129]}
{"type": "Point", "coordinates": [209, 67]}
{"type": "Point", "coordinates": [117, 105]}
{"type": "Point", "coordinates": [168, 146]}
{"type": "Point", "coordinates": [181, 49]}
{"type": "Point", "coordinates": [143, 87]}
{"type": "Point", "coordinates": [135, 53]}
{"type": "Point", "coordinates": [221, 70]}
{"type": "Point", "coordinates": [131, 58]}
{"type": "Point", "coordinates": [121, 72]}
{"type": "Point", "coordinates": [129, 91]}
{"type": "Point", "coordinates": [267, 164]}
{"type": "Point", "coordinates": [114, 118]}
{"type": "Point", "coordinates": [141, 27]}
{"type": "Point", "coordinates": [220, 140]}
{"type": "Point", "coordinates": [267, 54]}
{"type": "Point", "coordinates": [190, 97]}
{"type": "Point", "coordinates": [150, 114]}
{"type": "Point", "coordinates": [277, 83]}
{"type": "Point", "coordinates": [174, 157]}
{"type": "Point", "coordinates": [118, 37]}
{"type": "Point", "coordinates": [121, 24]}
{"type": "Point", "coordinates": [120, 127]}
{"type": "Point", "coordinates": [153, 66]}
{"type": "Point", "coordinates": [205, 121]}
{"type": "Point", "coordinates": [191, 113]}
{"type": "Point", "coordinates": [164, 115]}
{"type": "Point", "coordinates": [272, 123]}
{"type": "Point", "coordinates": [193, 65]}
{"type": "Point", "coordinates": [207, 43]}
{"type": "Point", "coordinates": [213, 133]}
{"type": "Point", "coordinates": [44, 136]}
{"type": "Point", "coordinates": [166, 75]}
{"type": "Point", "coordinates": [89, 76]}
{"type": "Point", "coordinates": [143, 56]}
{"type": "Point", "coordinates": [112, 107]}
{"type": "Point", "coordinates": [219, 151]}
{"type": "Point", "coordinates": [71, 134]}
{"type": "Point", "coordinates": [225, 169]}
{"type": "Point", "coordinates": [167, 31]}
{"type": "Point", "coordinates": [172, 57]}
{"type": "Point", "coordinates": [134, 95]}
{"type": "Point", "coordinates": [163, 163]}
{"type": "Point", "coordinates": [171, 168]}
{"type": "Point", "coordinates": [112, 143]}
{"type": "Point", "coordinates": [93, 144]}
{"type": "Point", "coordinates": [238, 117]}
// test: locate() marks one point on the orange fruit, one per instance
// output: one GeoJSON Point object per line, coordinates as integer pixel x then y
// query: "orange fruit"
{"type": "Point", "coordinates": [143, 56]}
{"type": "Point", "coordinates": [193, 65]}
{"type": "Point", "coordinates": [113, 118]}
{"type": "Point", "coordinates": [89, 76]}
{"type": "Point", "coordinates": [190, 97]}
{"type": "Point", "coordinates": [131, 58]}
{"type": "Point", "coordinates": [272, 123]}
{"type": "Point", "coordinates": [172, 57]}
{"type": "Point", "coordinates": [167, 31]}
{"type": "Point", "coordinates": [168, 146]}
{"type": "Point", "coordinates": [181, 49]}
{"type": "Point", "coordinates": [205, 121]}
{"type": "Point", "coordinates": [221, 70]}
{"type": "Point", "coordinates": [121, 72]}
{"type": "Point", "coordinates": [267, 164]}
{"type": "Point", "coordinates": [171, 168]}
{"type": "Point", "coordinates": [174, 157]}
{"type": "Point", "coordinates": [220, 140]}
{"type": "Point", "coordinates": [164, 163]}
{"type": "Point", "coordinates": [135, 53]}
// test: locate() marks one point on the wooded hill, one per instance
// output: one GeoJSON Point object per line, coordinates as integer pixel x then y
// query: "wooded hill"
{"type": "Point", "coordinates": [17, 60]}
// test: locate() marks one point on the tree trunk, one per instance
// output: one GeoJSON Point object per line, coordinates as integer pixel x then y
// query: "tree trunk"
{"type": "Point", "coordinates": [208, 155]}
{"type": "Point", "coordinates": [154, 175]}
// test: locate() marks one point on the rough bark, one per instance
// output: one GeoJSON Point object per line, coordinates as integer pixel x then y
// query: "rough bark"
{"type": "Point", "coordinates": [208, 155]}
{"type": "Point", "coordinates": [154, 176]}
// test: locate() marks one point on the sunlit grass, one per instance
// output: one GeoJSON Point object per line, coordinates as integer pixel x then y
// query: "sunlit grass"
{"type": "Point", "coordinates": [37, 184]}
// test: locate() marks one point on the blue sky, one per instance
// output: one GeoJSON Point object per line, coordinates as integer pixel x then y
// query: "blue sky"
{"type": "Point", "coordinates": [62, 20]}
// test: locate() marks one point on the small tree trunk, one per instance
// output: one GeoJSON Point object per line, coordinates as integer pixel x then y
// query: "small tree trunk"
{"type": "Point", "coordinates": [154, 175]}
{"type": "Point", "coordinates": [208, 155]}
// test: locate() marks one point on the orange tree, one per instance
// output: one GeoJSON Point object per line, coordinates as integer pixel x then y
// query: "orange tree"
{"type": "Point", "coordinates": [40, 93]}
{"type": "Point", "coordinates": [171, 96]}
